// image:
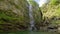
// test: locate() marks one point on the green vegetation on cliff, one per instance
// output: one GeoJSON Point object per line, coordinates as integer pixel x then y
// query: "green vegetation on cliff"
{"type": "Point", "coordinates": [51, 11]}
{"type": "Point", "coordinates": [14, 15]}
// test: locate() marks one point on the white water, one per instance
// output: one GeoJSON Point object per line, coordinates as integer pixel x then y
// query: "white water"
{"type": "Point", "coordinates": [32, 24]}
{"type": "Point", "coordinates": [31, 17]}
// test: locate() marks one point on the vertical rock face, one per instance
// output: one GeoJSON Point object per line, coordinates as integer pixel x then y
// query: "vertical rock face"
{"type": "Point", "coordinates": [37, 14]}
{"type": "Point", "coordinates": [16, 6]}
{"type": "Point", "coordinates": [13, 14]}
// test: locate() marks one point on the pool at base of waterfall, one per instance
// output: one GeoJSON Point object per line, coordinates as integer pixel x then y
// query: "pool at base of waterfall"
{"type": "Point", "coordinates": [29, 32]}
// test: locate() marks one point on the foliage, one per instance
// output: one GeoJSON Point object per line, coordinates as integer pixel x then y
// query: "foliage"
{"type": "Point", "coordinates": [13, 15]}
{"type": "Point", "coordinates": [52, 12]}
{"type": "Point", "coordinates": [34, 3]}
{"type": "Point", "coordinates": [52, 8]}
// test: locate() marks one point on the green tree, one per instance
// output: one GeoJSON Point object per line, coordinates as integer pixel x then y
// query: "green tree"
{"type": "Point", "coordinates": [52, 12]}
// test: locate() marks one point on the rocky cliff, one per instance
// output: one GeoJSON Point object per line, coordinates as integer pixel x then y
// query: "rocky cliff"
{"type": "Point", "coordinates": [14, 15]}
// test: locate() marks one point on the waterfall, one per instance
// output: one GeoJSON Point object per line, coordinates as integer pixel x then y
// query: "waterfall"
{"type": "Point", "coordinates": [32, 24]}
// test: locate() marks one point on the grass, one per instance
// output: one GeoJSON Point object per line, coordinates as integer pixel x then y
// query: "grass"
{"type": "Point", "coordinates": [28, 32]}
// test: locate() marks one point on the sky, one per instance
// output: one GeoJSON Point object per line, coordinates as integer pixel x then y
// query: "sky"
{"type": "Point", "coordinates": [41, 2]}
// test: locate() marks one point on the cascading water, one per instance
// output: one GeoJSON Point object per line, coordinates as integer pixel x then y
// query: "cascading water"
{"type": "Point", "coordinates": [32, 25]}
